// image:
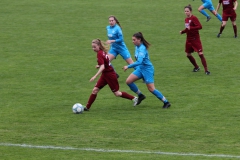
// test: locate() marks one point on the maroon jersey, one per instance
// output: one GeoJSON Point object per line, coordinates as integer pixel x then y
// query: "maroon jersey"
{"type": "Point", "coordinates": [102, 58]}
{"type": "Point", "coordinates": [228, 6]}
{"type": "Point", "coordinates": [195, 25]}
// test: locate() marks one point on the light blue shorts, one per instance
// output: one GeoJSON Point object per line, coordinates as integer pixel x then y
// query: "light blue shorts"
{"type": "Point", "coordinates": [209, 6]}
{"type": "Point", "coordinates": [123, 52]}
{"type": "Point", "coordinates": [147, 75]}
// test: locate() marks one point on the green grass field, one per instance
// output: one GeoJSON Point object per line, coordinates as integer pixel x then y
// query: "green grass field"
{"type": "Point", "coordinates": [46, 62]}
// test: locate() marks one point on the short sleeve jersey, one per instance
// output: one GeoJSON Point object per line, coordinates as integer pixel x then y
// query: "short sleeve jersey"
{"type": "Point", "coordinates": [103, 59]}
{"type": "Point", "coordinates": [228, 6]}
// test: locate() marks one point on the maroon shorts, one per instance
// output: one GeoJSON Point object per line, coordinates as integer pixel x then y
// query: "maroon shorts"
{"type": "Point", "coordinates": [109, 78]}
{"type": "Point", "coordinates": [232, 17]}
{"type": "Point", "coordinates": [193, 45]}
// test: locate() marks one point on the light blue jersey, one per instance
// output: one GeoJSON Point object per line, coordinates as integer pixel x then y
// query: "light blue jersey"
{"type": "Point", "coordinates": [143, 65]}
{"type": "Point", "coordinates": [118, 47]}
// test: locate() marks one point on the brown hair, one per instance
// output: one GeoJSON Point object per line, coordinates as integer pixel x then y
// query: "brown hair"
{"type": "Point", "coordinates": [101, 45]}
{"type": "Point", "coordinates": [189, 7]}
{"type": "Point", "coordinates": [139, 35]}
{"type": "Point", "coordinates": [115, 20]}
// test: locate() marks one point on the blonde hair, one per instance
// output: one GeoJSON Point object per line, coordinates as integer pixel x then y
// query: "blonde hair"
{"type": "Point", "coordinates": [103, 46]}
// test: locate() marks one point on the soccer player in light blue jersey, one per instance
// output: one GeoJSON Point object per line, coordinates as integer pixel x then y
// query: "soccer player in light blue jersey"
{"type": "Point", "coordinates": [116, 40]}
{"type": "Point", "coordinates": [207, 4]}
{"type": "Point", "coordinates": [144, 69]}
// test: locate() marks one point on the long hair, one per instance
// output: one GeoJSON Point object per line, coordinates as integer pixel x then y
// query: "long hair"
{"type": "Point", "coordinates": [139, 35]}
{"type": "Point", "coordinates": [101, 45]}
{"type": "Point", "coordinates": [115, 20]}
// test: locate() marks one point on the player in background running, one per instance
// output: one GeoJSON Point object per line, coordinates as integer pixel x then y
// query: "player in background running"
{"type": "Point", "coordinates": [229, 8]}
{"type": "Point", "coordinates": [144, 69]}
{"type": "Point", "coordinates": [108, 76]}
{"type": "Point", "coordinates": [116, 40]}
{"type": "Point", "coordinates": [193, 42]}
{"type": "Point", "coordinates": [207, 4]}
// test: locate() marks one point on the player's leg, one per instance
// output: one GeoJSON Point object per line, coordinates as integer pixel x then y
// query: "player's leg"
{"type": "Point", "coordinates": [149, 77]}
{"type": "Point", "coordinates": [114, 86]}
{"type": "Point", "coordinates": [204, 62]}
{"type": "Point", "coordinates": [134, 76]}
{"type": "Point", "coordinates": [211, 9]}
{"type": "Point", "coordinates": [233, 19]}
{"type": "Point", "coordinates": [189, 50]}
{"type": "Point", "coordinates": [222, 27]}
{"type": "Point", "coordinates": [201, 10]}
{"type": "Point", "coordinates": [99, 85]}
{"type": "Point", "coordinates": [158, 94]}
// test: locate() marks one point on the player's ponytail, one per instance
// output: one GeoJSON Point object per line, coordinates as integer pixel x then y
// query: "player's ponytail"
{"type": "Point", "coordinates": [139, 35]}
{"type": "Point", "coordinates": [101, 45]}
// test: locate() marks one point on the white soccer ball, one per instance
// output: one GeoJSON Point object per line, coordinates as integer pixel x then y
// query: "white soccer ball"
{"type": "Point", "coordinates": [77, 108]}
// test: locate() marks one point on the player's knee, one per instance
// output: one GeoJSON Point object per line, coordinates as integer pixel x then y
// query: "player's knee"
{"type": "Point", "coordinates": [128, 82]}
{"type": "Point", "coordinates": [151, 88]}
{"type": "Point", "coordinates": [95, 90]}
{"type": "Point", "coordinates": [118, 93]}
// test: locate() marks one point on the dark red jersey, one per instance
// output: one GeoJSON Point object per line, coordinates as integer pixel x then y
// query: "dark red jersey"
{"type": "Point", "coordinates": [195, 25]}
{"type": "Point", "coordinates": [228, 6]}
{"type": "Point", "coordinates": [102, 58]}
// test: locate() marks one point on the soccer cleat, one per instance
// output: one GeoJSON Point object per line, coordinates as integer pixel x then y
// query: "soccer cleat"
{"type": "Point", "coordinates": [196, 69]}
{"type": "Point", "coordinates": [208, 18]}
{"type": "Point", "coordinates": [218, 35]}
{"type": "Point", "coordinates": [86, 109]}
{"type": "Point", "coordinates": [166, 105]}
{"type": "Point", "coordinates": [140, 98]}
{"type": "Point", "coordinates": [235, 36]}
{"type": "Point", "coordinates": [135, 101]}
{"type": "Point", "coordinates": [207, 73]}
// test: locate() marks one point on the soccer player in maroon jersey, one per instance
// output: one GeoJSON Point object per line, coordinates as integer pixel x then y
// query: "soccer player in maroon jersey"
{"type": "Point", "coordinates": [229, 8]}
{"type": "Point", "coordinates": [193, 42]}
{"type": "Point", "coordinates": [108, 76]}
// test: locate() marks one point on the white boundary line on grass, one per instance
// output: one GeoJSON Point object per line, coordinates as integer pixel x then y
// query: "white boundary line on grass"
{"type": "Point", "coordinates": [120, 151]}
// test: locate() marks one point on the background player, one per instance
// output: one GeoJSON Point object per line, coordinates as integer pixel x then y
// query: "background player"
{"type": "Point", "coordinates": [229, 8]}
{"type": "Point", "coordinates": [116, 40]}
{"type": "Point", "coordinates": [193, 42]}
{"type": "Point", "coordinates": [108, 76]}
{"type": "Point", "coordinates": [144, 70]}
{"type": "Point", "coordinates": [207, 4]}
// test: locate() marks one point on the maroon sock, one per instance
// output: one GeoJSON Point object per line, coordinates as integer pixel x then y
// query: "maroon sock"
{"type": "Point", "coordinates": [91, 100]}
{"type": "Point", "coordinates": [193, 61]}
{"type": "Point", "coordinates": [204, 63]}
{"type": "Point", "coordinates": [127, 96]}
{"type": "Point", "coordinates": [221, 29]}
{"type": "Point", "coordinates": [235, 30]}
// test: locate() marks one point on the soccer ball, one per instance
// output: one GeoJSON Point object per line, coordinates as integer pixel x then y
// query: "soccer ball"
{"type": "Point", "coordinates": [77, 108]}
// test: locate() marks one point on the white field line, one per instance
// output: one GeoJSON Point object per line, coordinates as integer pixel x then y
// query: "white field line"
{"type": "Point", "coordinates": [121, 151]}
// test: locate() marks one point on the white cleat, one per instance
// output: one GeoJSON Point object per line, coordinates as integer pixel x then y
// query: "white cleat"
{"type": "Point", "coordinates": [135, 101]}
